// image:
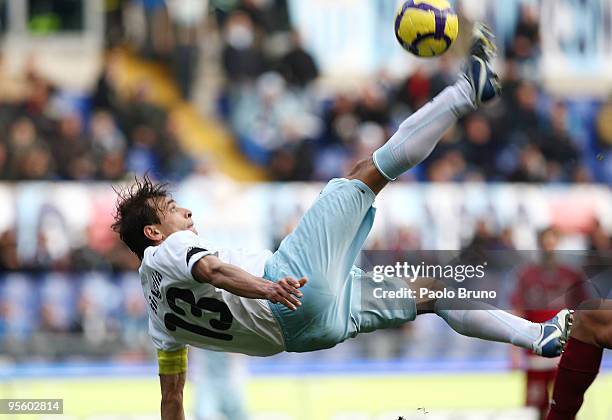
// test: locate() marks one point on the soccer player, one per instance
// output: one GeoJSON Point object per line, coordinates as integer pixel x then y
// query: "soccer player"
{"type": "Point", "coordinates": [307, 295]}
{"type": "Point", "coordinates": [539, 284]}
{"type": "Point", "coordinates": [579, 365]}
{"type": "Point", "coordinates": [219, 385]}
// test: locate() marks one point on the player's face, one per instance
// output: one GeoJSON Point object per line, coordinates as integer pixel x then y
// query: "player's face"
{"type": "Point", "coordinates": [549, 241]}
{"type": "Point", "coordinates": [174, 218]}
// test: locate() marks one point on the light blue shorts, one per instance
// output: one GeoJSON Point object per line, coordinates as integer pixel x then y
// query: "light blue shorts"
{"type": "Point", "coordinates": [323, 248]}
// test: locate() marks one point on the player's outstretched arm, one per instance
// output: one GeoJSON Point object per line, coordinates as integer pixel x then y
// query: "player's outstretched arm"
{"type": "Point", "coordinates": [235, 280]}
{"type": "Point", "coordinates": [172, 396]}
{"type": "Point", "coordinates": [172, 371]}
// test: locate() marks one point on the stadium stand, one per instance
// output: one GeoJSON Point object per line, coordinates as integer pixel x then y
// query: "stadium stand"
{"type": "Point", "coordinates": [283, 121]}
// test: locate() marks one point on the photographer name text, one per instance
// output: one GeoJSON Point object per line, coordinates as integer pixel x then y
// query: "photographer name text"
{"type": "Point", "coordinates": [426, 293]}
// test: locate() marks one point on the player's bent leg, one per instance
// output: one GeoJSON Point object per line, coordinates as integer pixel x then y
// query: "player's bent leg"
{"type": "Point", "coordinates": [580, 362]}
{"type": "Point", "coordinates": [416, 137]}
{"type": "Point", "coordinates": [323, 248]}
{"type": "Point", "coordinates": [328, 238]}
{"type": "Point", "coordinates": [366, 172]}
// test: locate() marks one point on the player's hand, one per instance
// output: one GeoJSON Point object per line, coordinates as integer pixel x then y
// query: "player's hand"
{"type": "Point", "coordinates": [286, 292]}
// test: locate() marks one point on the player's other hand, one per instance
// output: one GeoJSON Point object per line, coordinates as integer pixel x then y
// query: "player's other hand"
{"type": "Point", "coordinates": [286, 292]}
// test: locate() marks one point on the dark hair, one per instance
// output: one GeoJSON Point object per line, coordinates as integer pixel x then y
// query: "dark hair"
{"type": "Point", "coordinates": [136, 208]}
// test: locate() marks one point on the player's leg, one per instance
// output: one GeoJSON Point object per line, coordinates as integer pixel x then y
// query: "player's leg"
{"type": "Point", "coordinates": [536, 394]}
{"type": "Point", "coordinates": [480, 320]}
{"type": "Point", "coordinates": [323, 248]}
{"type": "Point", "coordinates": [420, 133]}
{"type": "Point", "coordinates": [537, 387]}
{"type": "Point", "coordinates": [372, 311]}
{"type": "Point", "coordinates": [580, 362]}
{"type": "Point", "coordinates": [366, 172]}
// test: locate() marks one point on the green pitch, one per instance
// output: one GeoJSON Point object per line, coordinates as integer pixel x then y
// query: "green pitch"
{"type": "Point", "coordinates": [313, 398]}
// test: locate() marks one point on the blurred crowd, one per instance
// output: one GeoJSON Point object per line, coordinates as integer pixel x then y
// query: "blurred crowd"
{"type": "Point", "coordinates": [52, 134]}
{"type": "Point", "coordinates": [282, 116]}
{"type": "Point", "coordinates": [66, 316]}
{"type": "Point", "coordinates": [285, 120]}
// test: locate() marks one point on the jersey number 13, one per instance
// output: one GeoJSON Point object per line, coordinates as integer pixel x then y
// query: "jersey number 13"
{"type": "Point", "coordinates": [174, 321]}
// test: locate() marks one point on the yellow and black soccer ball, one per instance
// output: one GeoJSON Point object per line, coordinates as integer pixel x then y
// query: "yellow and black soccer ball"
{"type": "Point", "coordinates": [426, 28]}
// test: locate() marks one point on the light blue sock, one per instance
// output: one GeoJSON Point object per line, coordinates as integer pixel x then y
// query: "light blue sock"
{"type": "Point", "coordinates": [420, 133]}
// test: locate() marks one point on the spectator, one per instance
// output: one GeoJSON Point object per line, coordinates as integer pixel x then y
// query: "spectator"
{"type": "Point", "coordinates": [532, 166]}
{"type": "Point", "coordinates": [269, 16]}
{"type": "Point", "coordinates": [104, 96]}
{"type": "Point", "coordinates": [373, 106]}
{"type": "Point", "coordinates": [73, 149]}
{"type": "Point", "coordinates": [242, 58]}
{"type": "Point", "coordinates": [557, 145]}
{"type": "Point", "coordinates": [415, 91]}
{"type": "Point", "coordinates": [445, 75]}
{"type": "Point", "coordinates": [526, 41]}
{"type": "Point", "coordinates": [298, 66]}
{"type": "Point", "coordinates": [141, 156]}
{"type": "Point", "coordinates": [34, 163]}
{"type": "Point", "coordinates": [479, 149]}
{"type": "Point", "coordinates": [175, 163]}
{"type": "Point", "coordinates": [105, 135]}
{"type": "Point", "coordinates": [186, 16]}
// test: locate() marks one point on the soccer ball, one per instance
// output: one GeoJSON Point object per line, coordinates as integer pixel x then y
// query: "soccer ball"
{"type": "Point", "coordinates": [426, 28]}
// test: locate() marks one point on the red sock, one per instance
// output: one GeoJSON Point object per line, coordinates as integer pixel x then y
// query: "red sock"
{"type": "Point", "coordinates": [577, 370]}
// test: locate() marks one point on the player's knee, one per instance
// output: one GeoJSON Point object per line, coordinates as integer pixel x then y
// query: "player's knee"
{"type": "Point", "coordinates": [360, 167]}
{"type": "Point", "coordinates": [333, 333]}
{"type": "Point", "coordinates": [366, 172]}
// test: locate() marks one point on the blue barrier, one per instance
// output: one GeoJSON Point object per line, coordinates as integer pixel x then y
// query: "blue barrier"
{"type": "Point", "coordinates": [270, 367]}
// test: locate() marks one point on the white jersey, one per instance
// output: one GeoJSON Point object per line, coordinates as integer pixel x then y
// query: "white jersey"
{"type": "Point", "coordinates": [184, 311]}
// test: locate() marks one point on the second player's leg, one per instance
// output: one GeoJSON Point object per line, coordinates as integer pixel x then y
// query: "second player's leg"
{"type": "Point", "coordinates": [581, 360]}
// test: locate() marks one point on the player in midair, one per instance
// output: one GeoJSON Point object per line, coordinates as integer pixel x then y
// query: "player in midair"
{"type": "Point", "coordinates": [227, 300]}
{"type": "Point", "coordinates": [538, 285]}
